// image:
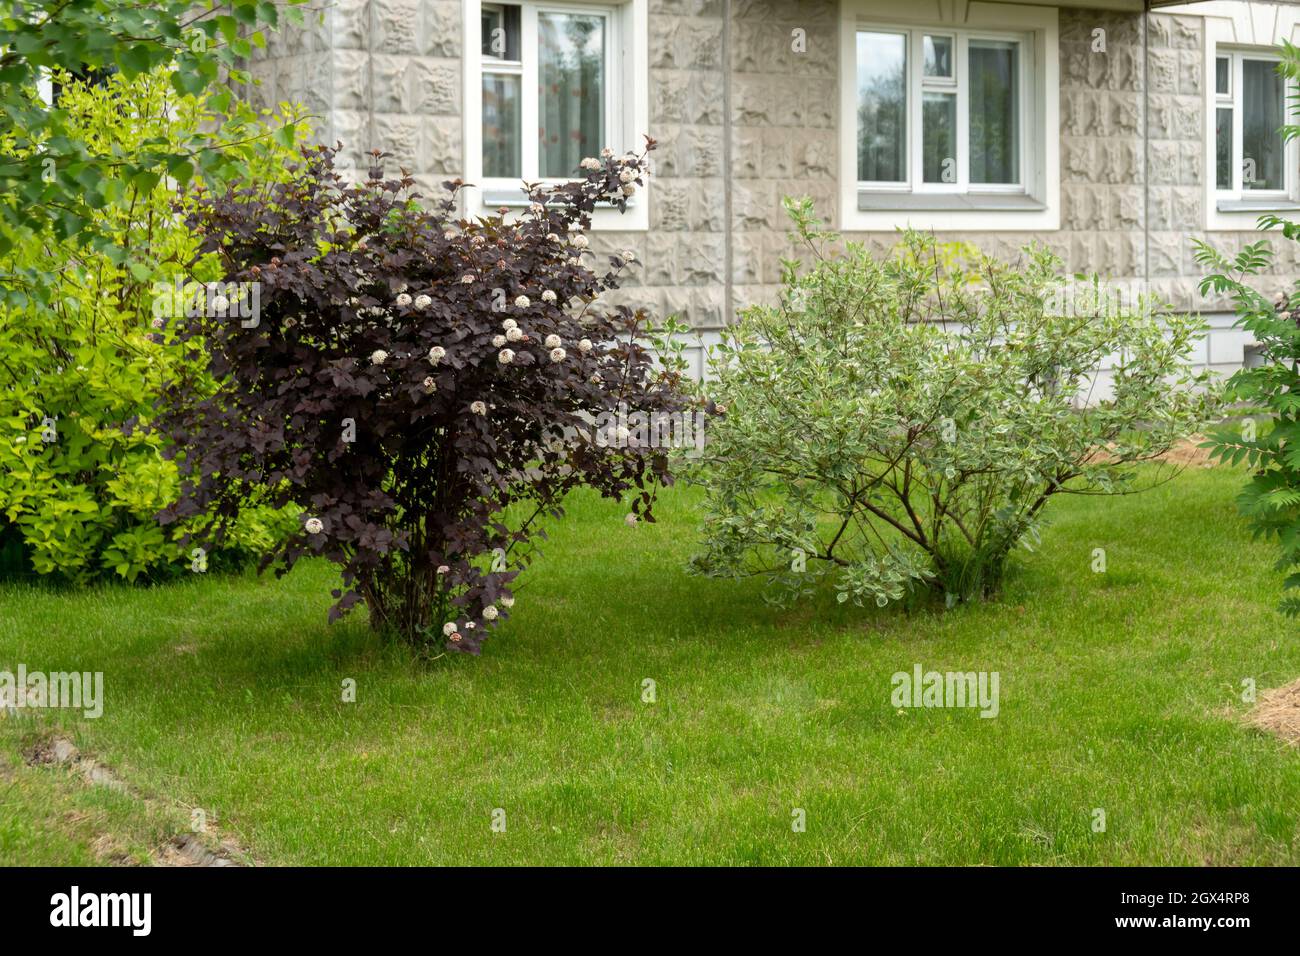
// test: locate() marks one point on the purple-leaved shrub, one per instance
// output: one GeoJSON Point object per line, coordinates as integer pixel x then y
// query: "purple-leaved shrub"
{"type": "Point", "coordinates": [423, 386]}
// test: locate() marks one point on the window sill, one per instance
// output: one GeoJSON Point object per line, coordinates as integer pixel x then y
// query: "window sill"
{"type": "Point", "coordinates": [1257, 205]}
{"type": "Point", "coordinates": [517, 199]}
{"type": "Point", "coordinates": [947, 202]}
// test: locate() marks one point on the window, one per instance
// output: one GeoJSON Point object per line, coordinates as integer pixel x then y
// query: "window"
{"type": "Point", "coordinates": [940, 112]}
{"type": "Point", "coordinates": [1249, 111]}
{"type": "Point", "coordinates": [946, 123]}
{"type": "Point", "coordinates": [547, 70]}
{"type": "Point", "coordinates": [553, 83]}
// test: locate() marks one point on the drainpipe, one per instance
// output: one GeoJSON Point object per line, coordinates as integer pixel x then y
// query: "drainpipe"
{"type": "Point", "coordinates": [728, 305]}
{"type": "Point", "coordinates": [370, 75]}
{"type": "Point", "coordinates": [1146, 149]}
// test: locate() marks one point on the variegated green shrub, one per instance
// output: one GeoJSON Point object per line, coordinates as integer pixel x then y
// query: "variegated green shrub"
{"type": "Point", "coordinates": [900, 423]}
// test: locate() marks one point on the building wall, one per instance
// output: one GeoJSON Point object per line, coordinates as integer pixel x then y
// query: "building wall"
{"type": "Point", "coordinates": [387, 73]}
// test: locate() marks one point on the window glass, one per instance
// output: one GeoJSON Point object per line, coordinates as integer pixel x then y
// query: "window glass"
{"type": "Point", "coordinates": [994, 111]}
{"type": "Point", "coordinates": [500, 31]}
{"type": "Point", "coordinates": [939, 138]}
{"type": "Point", "coordinates": [571, 90]}
{"type": "Point", "coordinates": [1222, 75]}
{"type": "Point", "coordinates": [502, 156]}
{"type": "Point", "coordinates": [882, 107]}
{"type": "Point", "coordinates": [938, 56]}
{"type": "Point", "coordinates": [1262, 115]}
{"type": "Point", "coordinates": [1223, 148]}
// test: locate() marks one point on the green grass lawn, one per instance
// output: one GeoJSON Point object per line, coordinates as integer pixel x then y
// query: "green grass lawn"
{"type": "Point", "coordinates": [1119, 691]}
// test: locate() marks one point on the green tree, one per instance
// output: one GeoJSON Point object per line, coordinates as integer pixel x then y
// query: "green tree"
{"type": "Point", "coordinates": [51, 181]}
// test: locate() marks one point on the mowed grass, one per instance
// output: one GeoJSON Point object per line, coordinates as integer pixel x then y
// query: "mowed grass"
{"type": "Point", "coordinates": [1120, 692]}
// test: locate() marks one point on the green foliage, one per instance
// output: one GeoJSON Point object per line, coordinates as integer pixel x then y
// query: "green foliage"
{"type": "Point", "coordinates": [51, 180]}
{"type": "Point", "coordinates": [1270, 391]}
{"type": "Point", "coordinates": [80, 482]}
{"type": "Point", "coordinates": [901, 423]}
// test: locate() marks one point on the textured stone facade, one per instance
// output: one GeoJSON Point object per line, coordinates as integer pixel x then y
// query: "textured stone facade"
{"type": "Point", "coordinates": [730, 87]}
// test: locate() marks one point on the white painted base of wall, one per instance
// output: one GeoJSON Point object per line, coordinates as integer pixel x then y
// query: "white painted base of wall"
{"type": "Point", "coordinates": [1223, 350]}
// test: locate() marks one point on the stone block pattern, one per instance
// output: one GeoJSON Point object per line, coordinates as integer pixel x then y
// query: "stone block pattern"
{"type": "Point", "coordinates": [683, 255]}
{"type": "Point", "coordinates": [378, 74]}
{"type": "Point", "coordinates": [387, 74]}
{"type": "Point", "coordinates": [784, 114]}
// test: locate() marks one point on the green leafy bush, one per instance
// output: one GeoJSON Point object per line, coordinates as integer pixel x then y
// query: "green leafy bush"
{"type": "Point", "coordinates": [901, 423]}
{"type": "Point", "coordinates": [1271, 391]}
{"type": "Point", "coordinates": [80, 483]}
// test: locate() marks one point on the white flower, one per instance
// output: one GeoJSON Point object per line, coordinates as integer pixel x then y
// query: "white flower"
{"type": "Point", "coordinates": [630, 520]}
{"type": "Point", "coordinates": [552, 341]}
{"type": "Point", "coordinates": [158, 322]}
{"type": "Point", "coordinates": [315, 526]}
{"type": "Point", "coordinates": [548, 296]}
{"type": "Point", "coordinates": [590, 162]}
{"type": "Point", "coordinates": [574, 261]}
{"type": "Point", "coordinates": [626, 175]}
{"type": "Point", "coordinates": [379, 357]}
{"type": "Point", "coordinates": [449, 628]}
{"type": "Point", "coordinates": [219, 303]}
{"type": "Point", "coordinates": [627, 255]}
{"type": "Point", "coordinates": [584, 345]}
{"type": "Point", "coordinates": [509, 324]}
{"type": "Point", "coordinates": [580, 241]}
{"type": "Point", "coordinates": [536, 209]}
{"type": "Point", "coordinates": [449, 235]}
{"type": "Point", "coordinates": [557, 355]}
{"type": "Point", "coordinates": [521, 302]}
{"type": "Point", "coordinates": [436, 354]}
{"type": "Point", "coordinates": [400, 287]}
{"type": "Point", "coordinates": [467, 278]}
{"type": "Point", "coordinates": [507, 602]}
{"type": "Point", "coordinates": [490, 613]}
{"type": "Point", "coordinates": [498, 341]}
{"type": "Point", "coordinates": [514, 334]}
{"type": "Point", "coordinates": [443, 569]}
{"type": "Point", "coordinates": [477, 241]}
{"type": "Point", "coordinates": [478, 408]}
{"type": "Point", "coordinates": [429, 384]}
{"type": "Point", "coordinates": [505, 356]}
{"type": "Point", "coordinates": [552, 237]}
{"type": "Point", "coordinates": [722, 409]}
{"type": "Point", "coordinates": [403, 300]}
{"type": "Point", "coordinates": [629, 189]}
{"type": "Point", "coordinates": [606, 153]}
{"type": "Point", "coordinates": [422, 301]}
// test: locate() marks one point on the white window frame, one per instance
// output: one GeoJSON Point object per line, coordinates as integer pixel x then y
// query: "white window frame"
{"type": "Point", "coordinates": [1253, 31]}
{"type": "Point", "coordinates": [627, 112]}
{"type": "Point", "coordinates": [981, 206]}
{"type": "Point", "coordinates": [1237, 59]}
